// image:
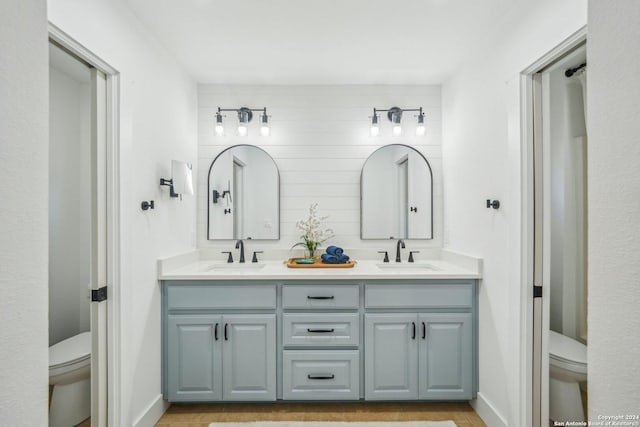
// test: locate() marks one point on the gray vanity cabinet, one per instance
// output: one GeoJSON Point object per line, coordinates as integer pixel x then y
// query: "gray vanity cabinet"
{"type": "Point", "coordinates": [219, 342]}
{"type": "Point", "coordinates": [445, 356]}
{"type": "Point", "coordinates": [229, 357]}
{"type": "Point", "coordinates": [249, 357]}
{"type": "Point", "coordinates": [419, 341]}
{"type": "Point", "coordinates": [321, 341]}
{"type": "Point", "coordinates": [390, 356]}
{"type": "Point", "coordinates": [254, 340]}
{"type": "Point", "coordinates": [195, 357]}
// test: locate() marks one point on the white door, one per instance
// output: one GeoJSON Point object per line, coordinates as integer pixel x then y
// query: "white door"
{"type": "Point", "coordinates": [99, 277]}
{"type": "Point", "coordinates": [558, 214]}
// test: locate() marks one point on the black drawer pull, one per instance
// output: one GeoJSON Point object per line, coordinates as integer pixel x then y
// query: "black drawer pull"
{"type": "Point", "coordinates": [319, 297]}
{"type": "Point", "coordinates": [320, 331]}
{"type": "Point", "coordinates": [215, 333]}
{"type": "Point", "coordinates": [226, 332]}
{"type": "Point", "coordinates": [321, 377]}
{"type": "Point", "coordinates": [424, 331]}
{"type": "Point", "coordinates": [413, 335]}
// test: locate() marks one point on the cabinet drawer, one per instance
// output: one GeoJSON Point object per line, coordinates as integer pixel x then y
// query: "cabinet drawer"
{"type": "Point", "coordinates": [453, 295]}
{"type": "Point", "coordinates": [182, 297]}
{"type": "Point", "coordinates": [321, 329]}
{"type": "Point", "coordinates": [321, 296]}
{"type": "Point", "coordinates": [321, 375]}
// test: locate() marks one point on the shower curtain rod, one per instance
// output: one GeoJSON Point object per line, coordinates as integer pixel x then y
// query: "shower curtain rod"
{"type": "Point", "coordinates": [571, 71]}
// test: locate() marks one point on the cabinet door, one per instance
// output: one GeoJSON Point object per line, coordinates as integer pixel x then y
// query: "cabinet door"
{"type": "Point", "coordinates": [445, 356]}
{"type": "Point", "coordinates": [194, 362]}
{"type": "Point", "coordinates": [391, 356]}
{"type": "Point", "coordinates": [249, 357]}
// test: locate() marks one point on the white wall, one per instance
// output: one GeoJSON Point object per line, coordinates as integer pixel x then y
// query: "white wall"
{"type": "Point", "coordinates": [157, 124]}
{"type": "Point", "coordinates": [614, 208]}
{"type": "Point", "coordinates": [23, 214]}
{"type": "Point", "coordinates": [319, 141]}
{"type": "Point", "coordinates": [69, 204]}
{"type": "Point", "coordinates": [482, 153]}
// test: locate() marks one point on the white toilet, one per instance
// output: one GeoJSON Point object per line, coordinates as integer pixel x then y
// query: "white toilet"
{"type": "Point", "coordinates": [69, 374]}
{"type": "Point", "coordinates": [567, 369]}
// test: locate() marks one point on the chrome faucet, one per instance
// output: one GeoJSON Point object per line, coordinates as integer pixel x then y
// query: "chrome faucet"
{"type": "Point", "coordinates": [240, 245]}
{"type": "Point", "coordinates": [398, 246]}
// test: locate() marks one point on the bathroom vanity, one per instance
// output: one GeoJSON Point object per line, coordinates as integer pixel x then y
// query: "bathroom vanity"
{"type": "Point", "coordinates": [264, 332]}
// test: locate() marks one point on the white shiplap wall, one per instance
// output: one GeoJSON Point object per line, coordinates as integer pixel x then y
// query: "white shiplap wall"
{"type": "Point", "coordinates": [319, 141]}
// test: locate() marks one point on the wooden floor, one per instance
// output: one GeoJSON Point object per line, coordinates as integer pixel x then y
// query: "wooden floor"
{"type": "Point", "coordinates": [200, 415]}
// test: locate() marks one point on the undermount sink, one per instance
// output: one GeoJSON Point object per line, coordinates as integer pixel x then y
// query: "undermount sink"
{"type": "Point", "coordinates": [249, 266]}
{"type": "Point", "coordinates": [408, 266]}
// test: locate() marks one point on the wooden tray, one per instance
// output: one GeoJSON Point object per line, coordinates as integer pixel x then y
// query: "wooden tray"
{"type": "Point", "coordinates": [291, 263]}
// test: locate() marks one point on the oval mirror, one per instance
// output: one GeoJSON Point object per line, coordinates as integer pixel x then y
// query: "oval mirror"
{"type": "Point", "coordinates": [243, 195]}
{"type": "Point", "coordinates": [396, 194]}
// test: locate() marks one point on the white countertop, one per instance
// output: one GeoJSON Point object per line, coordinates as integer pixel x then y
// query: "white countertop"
{"type": "Point", "coordinates": [445, 265]}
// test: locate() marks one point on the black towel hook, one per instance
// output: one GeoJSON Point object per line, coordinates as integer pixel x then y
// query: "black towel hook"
{"type": "Point", "coordinates": [495, 204]}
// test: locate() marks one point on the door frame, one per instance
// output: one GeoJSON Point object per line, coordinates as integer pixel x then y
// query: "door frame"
{"type": "Point", "coordinates": [534, 396]}
{"type": "Point", "coordinates": [112, 162]}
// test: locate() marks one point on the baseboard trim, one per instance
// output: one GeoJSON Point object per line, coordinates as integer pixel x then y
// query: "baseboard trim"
{"type": "Point", "coordinates": [152, 414]}
{"type": "Point", "coordinates": [488, 412]}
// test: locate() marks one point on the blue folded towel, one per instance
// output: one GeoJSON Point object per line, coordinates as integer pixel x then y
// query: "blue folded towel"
{"type": "Point", "coordinates": [329, 259]}
{"type": "Point", "coordinates": [335, 250]}
{"type": "Point", "coordinates": [333, 259]}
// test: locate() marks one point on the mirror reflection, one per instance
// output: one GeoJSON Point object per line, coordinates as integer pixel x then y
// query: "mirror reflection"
{"type": "Point", "coordinates": [243, 195]}
{"type": "Point", "coordinates": [396, 194]}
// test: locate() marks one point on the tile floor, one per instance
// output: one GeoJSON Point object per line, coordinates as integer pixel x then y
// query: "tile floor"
{"type": "Point", "coordinates": [200, 415]}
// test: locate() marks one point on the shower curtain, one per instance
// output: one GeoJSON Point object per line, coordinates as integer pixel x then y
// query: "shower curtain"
{"type": "Point", "coordinates": [575, 256]}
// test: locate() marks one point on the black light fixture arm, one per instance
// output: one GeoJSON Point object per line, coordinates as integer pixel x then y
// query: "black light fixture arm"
{"type": "Point", "coordinates": [244, 110]}
{"type": "Point", "coordinates": [395, 110]}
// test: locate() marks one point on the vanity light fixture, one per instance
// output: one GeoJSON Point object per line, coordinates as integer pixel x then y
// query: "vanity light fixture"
{"type": "Point", "coordinates": [394, 114]}
{"type": "Point", "coordinates": [245, 115]}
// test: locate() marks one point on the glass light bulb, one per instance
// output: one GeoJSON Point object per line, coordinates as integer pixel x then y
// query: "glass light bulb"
{"type": "Point", "coordinates": [396, 130]}
{"type": "Point", "coordinates": [219, 125]}
{"type": "Point", "coordinates": [375, 129]}
{"type": "Point", "coordinates": [264, 124]}
{"type": "Point", "coordinates": [420, 127]}
{"type": "Point", "coordinates": [242, 129]}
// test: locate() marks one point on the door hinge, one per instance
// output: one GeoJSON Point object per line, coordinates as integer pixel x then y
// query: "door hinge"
{"type": "Point", "coordinates": [99, 295]}
{"type": "Point", "coordinates": [537, 291]}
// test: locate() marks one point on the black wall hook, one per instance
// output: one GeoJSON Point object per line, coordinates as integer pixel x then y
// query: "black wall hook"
{"type": "Point", "coordinates": [147, 205]}
{"type": "Point", "coordinates": [495, 204]}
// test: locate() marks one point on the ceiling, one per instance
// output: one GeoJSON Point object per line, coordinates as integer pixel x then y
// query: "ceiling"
{"type": "Point", "coordinates": [324, 41]}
